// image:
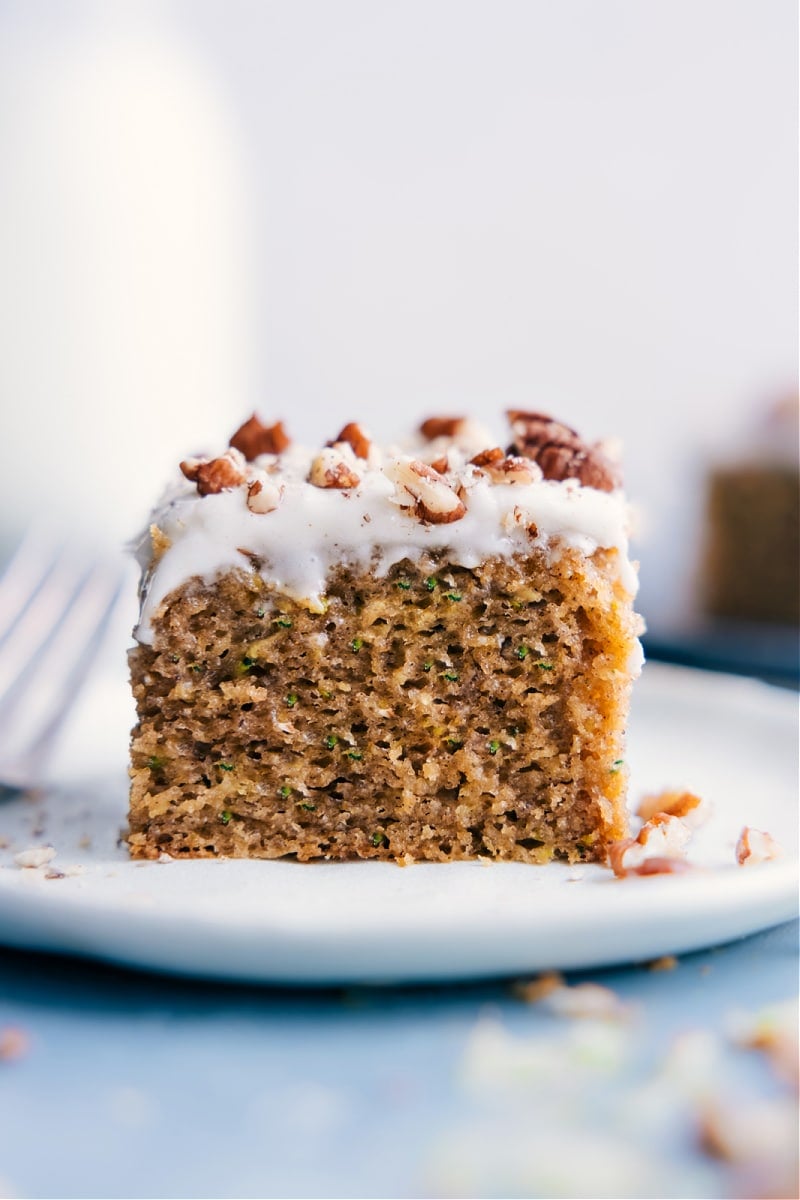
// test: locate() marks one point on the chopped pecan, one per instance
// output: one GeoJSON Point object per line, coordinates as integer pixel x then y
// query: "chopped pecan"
{"type": "Point", "coordinates": [356, 438]}
{"type": "Point", "coordinates": [661, 864]}
{"type": "Point", "coordinates": [662, 839]}
{"type": "Point", "coordinates": [560, 451]}
{"type": "Point", "coordinates": [263, 496]}
{"type": "Point", "coordinates": [440, 464]}
{"type": "Point", "coordinates": [685, 805]}
{"type": "Point", "coordinates": [441, 427]}
{"type": "Point", "coordinates": [435, 501]}
{"type": "Point", "coordinates": [536, 429]}
{"type": "Point", "coordinates": [488, 458]}
{"type": "Point", "coordinates": [330, 470]}
{"type": "Point", "coordinates": [254, 438]}
{"type": "Point", "coordinates": [512, 520]}
{"type": "Point", "coordinates": [755, 846]}
{"type": "Point", "coordinates": [191, 468]}
{"type": "Point", "coordinates": [616, 854]}
{"type": "Point", "coordinates": [216, 475]}
{"type": "Point", "coordinates": [654, 864]}
{"type": "Point", "coordinates": [513, 469]}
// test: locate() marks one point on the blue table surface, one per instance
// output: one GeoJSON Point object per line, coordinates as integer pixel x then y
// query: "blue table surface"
{"type": "Point", "coordinates": [139, 1085]}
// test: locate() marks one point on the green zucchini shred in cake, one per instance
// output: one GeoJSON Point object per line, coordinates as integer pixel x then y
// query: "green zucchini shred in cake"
{"type": "Point", "coordinates": [414, 653]}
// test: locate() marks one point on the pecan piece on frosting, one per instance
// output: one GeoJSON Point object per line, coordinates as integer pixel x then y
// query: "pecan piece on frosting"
{"type": "Point", "coordinates": [560, 451]}
{"type": "Point", "coordinates": [330, 469]}
{"type": "Point", "coordinates": [436, 427]}
{"type": "Point", "coordinates": [356, 439]}
{"type": "Point", "coordinates": [488, 458]}
{"type": "Point", "coordinates": [502, 468]}
{"type": "Point", "coordinates": [254, 438]}
{"type": "Point", "coordinates": [435, 502]}
{"type": "Point", "coordinates": [532, 429]}
{"type": "Point", "coordinates": [214, 475]}
{"type": "Point", "coordinates": [263, 496]}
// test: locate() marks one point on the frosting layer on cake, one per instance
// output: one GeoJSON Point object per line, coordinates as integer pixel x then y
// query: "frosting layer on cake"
{"type": "Point", "coordinates": [295, 514]}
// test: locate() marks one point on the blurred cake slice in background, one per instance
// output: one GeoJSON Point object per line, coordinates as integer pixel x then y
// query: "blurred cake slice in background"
{"type": "Point", "coordinates": [752, 550]}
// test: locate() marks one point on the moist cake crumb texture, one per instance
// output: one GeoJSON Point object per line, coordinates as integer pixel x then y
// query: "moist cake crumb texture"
{"type": "Point", "coordinates": [399, 691]}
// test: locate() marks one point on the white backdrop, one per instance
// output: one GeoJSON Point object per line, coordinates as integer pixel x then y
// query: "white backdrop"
{"type": "Point", "coordinates": [340, 210]}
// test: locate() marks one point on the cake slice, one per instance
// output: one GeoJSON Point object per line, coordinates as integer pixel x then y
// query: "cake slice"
{"type": "Point", "coordinates": [752, 542]}
{"type": "Point", "coordinates": [416, 653]}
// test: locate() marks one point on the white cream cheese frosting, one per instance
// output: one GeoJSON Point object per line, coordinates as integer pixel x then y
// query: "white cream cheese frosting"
{"type": "Point", "coordinates": [295, 531]}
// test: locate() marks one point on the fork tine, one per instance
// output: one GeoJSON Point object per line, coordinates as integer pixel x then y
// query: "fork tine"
{"type": "Point", "coordinates": [74, 647]}
{"type": "Point", "coordinates": [54, 595]}
{"type": "Point", "coordinates": [36, 701]}
{"type": "Point", "coordinates": [24, 575]}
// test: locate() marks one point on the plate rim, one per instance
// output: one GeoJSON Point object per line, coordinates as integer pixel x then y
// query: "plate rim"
{"type": "Point", "coordinates": [766, 895]}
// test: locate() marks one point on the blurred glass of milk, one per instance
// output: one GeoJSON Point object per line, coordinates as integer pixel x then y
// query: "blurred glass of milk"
{"type": "Point", "coordinates": [125, 296]}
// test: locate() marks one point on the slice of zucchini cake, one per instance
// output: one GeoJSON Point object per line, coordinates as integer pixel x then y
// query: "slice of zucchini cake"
{"type": "Point", "coordinates": [416, 653]}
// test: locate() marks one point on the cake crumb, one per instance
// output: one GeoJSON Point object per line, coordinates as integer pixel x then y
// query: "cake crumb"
{"type": "Point", "coordinates": [159, 541]}
{"type": "Point", "coordinates": [774, 1032]}
{"type": "Point", "coordinates": [36, 856]}
{"type": "Point", "coordinates": [590, 1001]}
{"type": "Point", "coordinates": [587, 1001]}
{"type": "Point", "coordinates": [14, 1043]}
{"type": "Point", "coordinates": [756, 1133]}
{"type": "Point", "coordinates": [667, 962]}
{"type": "Point", "coordinates": [534, 990]}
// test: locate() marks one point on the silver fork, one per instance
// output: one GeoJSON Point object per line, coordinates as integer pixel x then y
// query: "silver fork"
{"type": "Point", "coordinates": [54, 609]}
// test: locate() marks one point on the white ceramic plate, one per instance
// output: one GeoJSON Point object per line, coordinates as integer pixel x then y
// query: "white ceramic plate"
{"type": "Point", "coordinates": [730, 740]}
